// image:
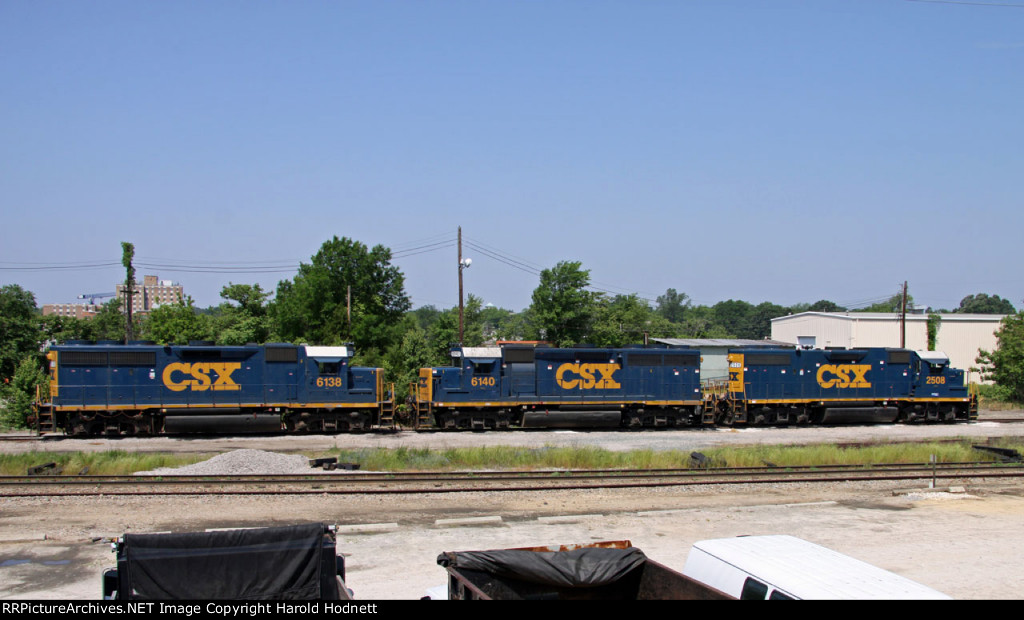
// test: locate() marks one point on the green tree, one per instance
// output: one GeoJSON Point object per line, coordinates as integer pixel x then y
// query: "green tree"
{"type": "Point", "coordinates": [238, 328]}
{"type": "Point", "coordinates": [1005, 365]}
{"type": "Point", "coordinates": [109, 323]}
{"type": "Point", "coordinates": [760, 324]}
{"type": "Point", "coordinates": [562, 307]}
{"type": "Point", "coordinates": [314, 308]}
{"type": "Point", "coordinates": [57, 328]}
{"type": "Point", "coordinates": [514, 325]}
{"type": "Point", "coordinates": [985, 304]}
{"type": "Point", "coordinates": [736, 317]}
{"type": "Point", "coordinates": [242, 323]}
{"type": "Point", "coordinates": [625, 319]}
{"type": "Point", "coordinates": [413, 353]}
{"type": "Point", "coordinates": [824, 305]}
{"type": "Point", "coordinates": [425, 316]}
{"type": "Point", "coordinates": [673, 305]}
{"type": "Point", "coordinates": [250, 298]}
{"type": "Point", "coordinates": [18, 393]}
{"type": "Point", "coordinates": [934, 322]}
{"type": "Point", "coordinates": [700, 322]}
{"type": "Point", "coordinates": [177, 324]}
{"type": "Point", "coordinates": [495, 322]}
{"type": "Point", "coordinates": [444, 331]}
{"type": "Point", "coordinates": [127, 254]}
{"type": "Point", "coordinates": [893, 304]}
{"type": "Point", "coordinates": [19, 334]}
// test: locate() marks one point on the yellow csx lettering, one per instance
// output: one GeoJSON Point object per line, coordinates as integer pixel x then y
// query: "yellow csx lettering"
{"type": "Point", "coordinates": [200, 376]}
{"type": "Point", "coordinates": [585, 376]}
{"type": "Point", "coordinates": [844, 375]}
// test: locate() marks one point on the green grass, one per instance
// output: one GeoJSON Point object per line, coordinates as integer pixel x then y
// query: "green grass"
{"type": "Point", "coordinates": [827, 454]}
{"type": "Point", "coordinates": [120, 462]}
{"type": "Point", "coordinates": [501, 457]}
{"type": "Point", "coordinates": [109, 463]}
{"type": "Point", "coordinates": [404, 459]}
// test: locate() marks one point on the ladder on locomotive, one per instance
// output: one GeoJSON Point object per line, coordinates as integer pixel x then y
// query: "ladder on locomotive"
{"type": "Point", "coordinates": [386, 413]}
{"type": "Point", "coordinates": [712, 391]}
{"type": "Point", "coordinates": [972, 404]}
{"type": "Point", "coordinates": [422, 411]}
{"type": "Point", "coordinates": [45, 420]}
{"type": "Point", "coordinates": [722, 401]}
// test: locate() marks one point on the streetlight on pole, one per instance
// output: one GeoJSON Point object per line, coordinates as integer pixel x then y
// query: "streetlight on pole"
{"type": "Point", "coordinates": [464, 263]}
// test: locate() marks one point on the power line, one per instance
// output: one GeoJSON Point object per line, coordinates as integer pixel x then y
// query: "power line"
{"type": "Point", "coordinates": [529, 268]}
{"type": "Point", "coordinates": [504, 259]}
{"type": "Point", "coordinates": [423, 249]}
{"type": "Point", "coordinates": [225, 270]}
{"type": "Point", "coordinates": [518, 259]}
{"type": "Point", "coordinates": [58, 266]}
{"type": "Point", "coordinates": [447, 236]}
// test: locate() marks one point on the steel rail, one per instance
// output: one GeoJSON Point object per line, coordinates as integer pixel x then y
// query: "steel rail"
{"type": "Point", "coordinates": [322, 485]}
{"type": "Point", "coordinates": [339, 477]}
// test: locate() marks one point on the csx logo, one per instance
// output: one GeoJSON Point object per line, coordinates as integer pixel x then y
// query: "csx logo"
{"type": "Point", "coordinates": [584, 376]}
{"type": "Point", "coordinates": [199, 378]}
{"type": "Point", "coordinates": [844, 375]}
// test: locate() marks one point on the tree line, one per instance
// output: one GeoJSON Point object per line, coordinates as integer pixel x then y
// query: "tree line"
{"type": "Point", "coordinates": [350, 293]}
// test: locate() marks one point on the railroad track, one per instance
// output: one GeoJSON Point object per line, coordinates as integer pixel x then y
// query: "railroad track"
{"type": "Point", "coordinates": [462, 482]}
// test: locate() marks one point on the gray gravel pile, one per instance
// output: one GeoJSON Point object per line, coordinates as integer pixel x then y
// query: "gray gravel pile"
{"type": "Point", "coordinates": [240, 462]}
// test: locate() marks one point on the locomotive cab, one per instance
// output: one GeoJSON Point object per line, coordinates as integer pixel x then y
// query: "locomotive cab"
{"type": "Point", "coordinates": [939, 391]}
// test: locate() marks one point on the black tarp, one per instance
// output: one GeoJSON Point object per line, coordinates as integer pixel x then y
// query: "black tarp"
{"type": "Point", "coordinates": [578, 568]}
{"type": "Point", "coordinates": [277, 563]}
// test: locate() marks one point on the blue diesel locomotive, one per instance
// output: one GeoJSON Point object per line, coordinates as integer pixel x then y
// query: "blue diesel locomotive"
{"type": "Point", "coordinates": [872, 385]}
{"type": "Point", "coordinates": [523, 386]}
{"type": "Point", "coordinates": [114, 389]}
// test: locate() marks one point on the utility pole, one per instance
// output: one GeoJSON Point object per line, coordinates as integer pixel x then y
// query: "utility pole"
{"type": "Point", "coordinates": [903, 318]}
{"type": "Point", "coordinates": [463, 264]}
{"type": "Point", "coordinates": [460, 285]}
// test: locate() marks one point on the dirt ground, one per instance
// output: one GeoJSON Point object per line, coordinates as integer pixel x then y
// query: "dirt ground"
{"type": "Point", "coordinates": [967, 544]}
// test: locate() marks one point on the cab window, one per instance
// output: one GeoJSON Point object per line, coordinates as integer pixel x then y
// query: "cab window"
{"type": "Point", "coordinates": [328, 368]}
{"type": "Point", "coordinates": [483, 368]}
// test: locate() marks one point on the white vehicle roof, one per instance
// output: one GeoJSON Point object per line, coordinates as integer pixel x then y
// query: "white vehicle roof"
{"type": "Point", "coordinates": [809, 571]}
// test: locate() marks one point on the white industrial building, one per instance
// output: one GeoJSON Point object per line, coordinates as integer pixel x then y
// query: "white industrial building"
{"type": "Point", "coordinates": [960, 336]}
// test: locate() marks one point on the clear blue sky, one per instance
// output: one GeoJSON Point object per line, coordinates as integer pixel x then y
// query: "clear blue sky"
{"type": "Point", "coordinates": [764, 150]}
